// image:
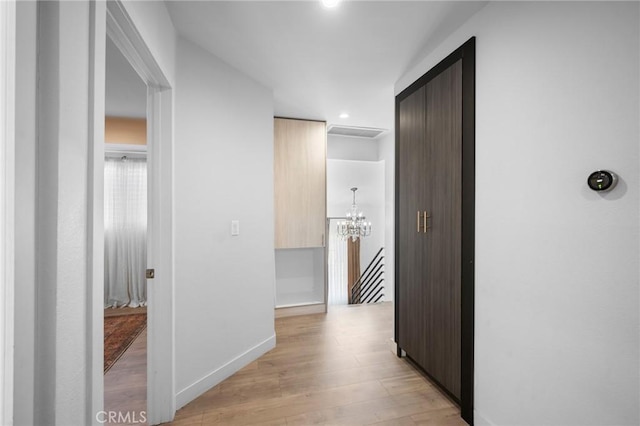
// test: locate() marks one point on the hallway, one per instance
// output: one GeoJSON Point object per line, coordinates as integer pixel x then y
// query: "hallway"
{"type": "Point", "coordinates": [334, 369]}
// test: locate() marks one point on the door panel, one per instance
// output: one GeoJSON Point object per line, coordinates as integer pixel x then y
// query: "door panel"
{"type": "Point", "coordinates": [442, 301]}
{"type": "Point", "coordinates": [435, 174]}
{"type": "Point", "coordinates": [429, 263]}
{"type": "Point", "coordinates": [411, 248]}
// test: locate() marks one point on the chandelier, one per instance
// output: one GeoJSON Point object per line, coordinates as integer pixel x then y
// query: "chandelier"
{"type": "Point", "coordinates": [355, 226]}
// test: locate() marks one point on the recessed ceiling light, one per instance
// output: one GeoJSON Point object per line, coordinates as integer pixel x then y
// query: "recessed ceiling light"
{"type": "Point", "coordinates": [344, 115]}
{"type": "Point", "coordinates": [330, 3]}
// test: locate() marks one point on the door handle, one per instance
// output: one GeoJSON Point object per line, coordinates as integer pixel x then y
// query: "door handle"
{"type": "Point", "coordinates": [422, 227]}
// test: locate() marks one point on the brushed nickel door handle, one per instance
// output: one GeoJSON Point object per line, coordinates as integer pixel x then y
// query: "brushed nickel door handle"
{"type": "Point", "coordinates": [426, 218]}
{"type": "Point", "coordinates": [418, 221]}
{"type": "Point", "coordinates": [425, 221]}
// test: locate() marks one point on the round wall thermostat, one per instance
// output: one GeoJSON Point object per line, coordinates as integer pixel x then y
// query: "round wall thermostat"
{"type": "Point", "coordinates": [602, 180]}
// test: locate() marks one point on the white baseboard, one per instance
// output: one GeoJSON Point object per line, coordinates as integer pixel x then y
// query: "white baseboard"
{"type": "Point", "coordinates": [290, 311]}
{"type": "Point", "coordinates": [199, 387]}
{"type": "Point", "coordinates": [478, 420]}
{"type": "Point", "coordinates": [393, 346]}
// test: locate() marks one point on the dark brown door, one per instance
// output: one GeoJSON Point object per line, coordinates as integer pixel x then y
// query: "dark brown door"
{"type": "Point", "coordinates": [411, 249]}
{"type": "Point", "coordinates": [442, 304]}
{"type": "Point", "coordinates": [434, 251]}
{"type": "Point", "coordinates": [429, 211]}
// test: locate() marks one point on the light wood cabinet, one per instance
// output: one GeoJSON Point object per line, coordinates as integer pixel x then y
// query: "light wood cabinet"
{"type": "Point", "coordinates": [300, 152]}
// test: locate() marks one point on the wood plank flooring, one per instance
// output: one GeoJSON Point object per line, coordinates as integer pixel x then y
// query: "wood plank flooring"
{"type": "Point", "coordinates": [331, 369]}
{"type": "Point", "coordinates": [125, 384]}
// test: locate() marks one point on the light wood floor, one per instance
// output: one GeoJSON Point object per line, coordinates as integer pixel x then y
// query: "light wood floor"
{"type": "Point", "coordinates": [333, 369]}
{"type": "Point", "coordinates": [125, 384]}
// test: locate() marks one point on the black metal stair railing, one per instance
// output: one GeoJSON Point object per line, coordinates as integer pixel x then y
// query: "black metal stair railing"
{"type": "Point", "coordinates": [369, 288]}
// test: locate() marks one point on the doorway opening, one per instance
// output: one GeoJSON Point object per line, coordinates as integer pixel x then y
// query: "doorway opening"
{"type": "Point", "coordinates": [160, 378]}
{"type": "Point", "coordinates": [348, 283]}
{"type": "Point", "coordinates": [125, 238]}
{"type": "Point", "coordinates": [355, 266]}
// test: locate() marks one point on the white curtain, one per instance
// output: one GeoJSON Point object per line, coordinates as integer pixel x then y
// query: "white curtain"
{"type": "Point", "coordinates": [338, 267]}
{"type": "Point", "coordinates": [125, 233]}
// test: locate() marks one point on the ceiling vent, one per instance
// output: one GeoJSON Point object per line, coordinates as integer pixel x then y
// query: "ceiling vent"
{"type": "Point", "coordinates": [355, 132]}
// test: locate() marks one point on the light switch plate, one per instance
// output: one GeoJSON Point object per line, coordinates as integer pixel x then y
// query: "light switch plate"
{"type": "Point", "coordinates": [235, 227]}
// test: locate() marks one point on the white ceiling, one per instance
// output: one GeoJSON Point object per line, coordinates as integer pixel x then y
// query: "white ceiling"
{"type": "Point", "coordinates": [321, 62]}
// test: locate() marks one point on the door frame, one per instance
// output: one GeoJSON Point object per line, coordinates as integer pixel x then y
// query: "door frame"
{"type": "Point", "coordinates": [7, 190]}
{"type": "Point", "coordinates": [467, 54]}
{"type": "Point", "coordinates": [112, 19]}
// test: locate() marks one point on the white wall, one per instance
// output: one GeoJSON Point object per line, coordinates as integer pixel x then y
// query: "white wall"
{"type": "Point", "coordinates": [25, 221]}
{"type": "Point", "coordinates": [368, 177]}
{"type": "Point", "coordinates": [153, 22]}
{"type": "Point", "coordinates": [7, 190]}
{"type": "Point", "coordinates": [125, 92]}
{"type": "Point", "coordinates": [61, 337]}
{"type": "Point", "coordinates": [387, 153]}
{"type": "Point", "coordinates": [557, 270]}
{"type": "Point", "coordinates": [223, 171]}
{"type": "Point", "coordinates": [348, 148]}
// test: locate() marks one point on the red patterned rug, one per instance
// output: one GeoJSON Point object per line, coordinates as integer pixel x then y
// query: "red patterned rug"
{"type": "Point", "coordinates": [119, 334]}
